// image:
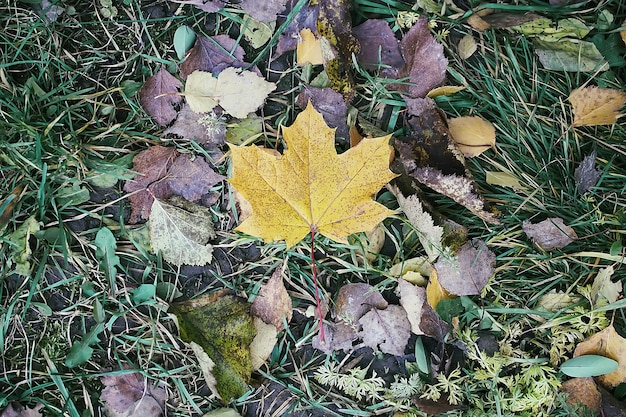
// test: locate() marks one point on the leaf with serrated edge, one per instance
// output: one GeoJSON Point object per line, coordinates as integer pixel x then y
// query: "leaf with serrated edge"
{"type": "Point", "coordinates": [181, 235]}
{"type": "Point", "coordinates": [310, 187]}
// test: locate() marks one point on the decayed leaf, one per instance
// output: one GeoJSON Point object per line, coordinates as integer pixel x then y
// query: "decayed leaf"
{"type": "Point", "coordinates": [472, 135]}
{"type": "Point", "coordinates": [258, 32]}
{"type": "Point", "coordinates": [583, 391]}
{"type": "Point", "coordinates": [130, 394]}
{"type": "Point", "coordinates": [428, 156]}
{"type": "Point", "coordinates": [423, 319]}
{"type": "Point", "coordinates": [191, 179]}
{"type": "Point", "coordinates": [273, 303]}
{"type": "Point", "coordinates": [330, 104]}
{"type": "Point", "coordinates": [468, 271]}
{"type": "Point", "coordinates": [21, 251]}
{"type": "Point", "coordinates": [388, 330]}
{"type": "Point", "coordinates": [425, 65]}
{"type": "Point", "coordinates": [223, 326]}
{"type": "Point", "coordinates": [550, 234]}
{"type": "Point", "coordinates": [354, 300]}
{"type": "Point", "coordinates": [212, 55]}
{"type": "Point", "coordinates": [310, 187]}
{"type": "Point", "coordinates": [603, 286]}
{"type": "Point", "coordinates": [181, 230]}
{"type": "Point", "coordinates": [16, 410]}
{"type": "Point", "coordinates": [237, 92]}
{"type": "Point", "coordinates": [610, 344]}
{"type": "Point", "coordinates": [379, 47]}
{"type": "Point", "coordinates": [192, 126]}
{"type": "Point", "coordinates": [159, 95]}
{"type": "Point", "coordinates": [306, 18]}
{"type": "Point", "coordinates": [596, 106]}
{"type": "Point", "coordinates": [586, 174]}
{"type": "Point", "coordinates": [309, 49]}
{"type": "Point", "coordinates": [506, 20]}
{"type": "Point", "coordinates": [429, 234]}
{"type": "Point", "coordinates": [570, 55]}
{"type": "Point", "coordinates": [263, 10]}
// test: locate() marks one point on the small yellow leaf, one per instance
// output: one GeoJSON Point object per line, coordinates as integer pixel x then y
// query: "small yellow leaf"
{"type": "Point", "coordinates": [502, 178]}
{"type": "Point", "coordinates": [472, 135]}
{"type": "Point", "coordinates": [309, 49]}
{"type": "Point", "coordinates": [610, 344]}
{"type": "Point", "coordinates": [310, 187]}
{"type": "Point", "coordinates": [596, 106]}
{"type": "Point", "coordinates": [445, 90]}
{"type": "Point", "coordinates": [467, 46]}
{"type": "Point", "coordinates": [435, 292]}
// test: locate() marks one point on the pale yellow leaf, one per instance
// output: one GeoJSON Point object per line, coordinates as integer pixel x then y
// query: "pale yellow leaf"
{"type": "Point", "coordinates": [414, 270]}
{"type": "Point", "coordinates": [435, 292]}
{"type": "Point", "coordinates": [596, 106]}
{"type": "Point", "coordinates": [610, 344]}
{"type": "Point", "coordinates": [263, 343]}
{"type": "Point", "coordinates": [309, 49]}
{"type": "Point", "coordinates": [604, 287]}
{"type": "Point", "coordinates": [206, 366]}
{"type": "Point", "coordinates": [310, 187]}
{"type": "Point", "coordinates": [502, 178]}
{"type": "Point", "coordinates": [472, 135]}
{"type": "Point", "coordinates": [237, 92]}
{"type": "Point", "coordinates": [445, 90]}
{"type": "Point", "coordinates": [467, 46]}
{"type": "Point", "coordinates": [257, 32]}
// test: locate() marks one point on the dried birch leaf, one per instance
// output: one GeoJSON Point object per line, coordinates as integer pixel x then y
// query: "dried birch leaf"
{"type": "Point", "coordinates": [181, 230]}
{"type": "Point", "coordinates": [467, 272]}
{"type": "Point", "coordinates": [596, 106]}
{"type": "Point", "coordinates": [472, 135]}
{"type": "Point", "coordinates": [273, 303]}
{"type": "Point", "coordinates": [550, 234]}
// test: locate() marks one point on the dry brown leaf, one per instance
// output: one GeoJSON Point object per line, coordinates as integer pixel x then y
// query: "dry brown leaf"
{"type": "Point", "coordinates": [467, 46]}
{"type": "Point", "coordinates": [586, 174]}
{"type": "Point", "coordinates": [596, 106]}
{"type": "Point", "coordinates": [273, 303]}
{"type": "Point", "coordinates": [388, 330]}
{"type": "Point", "coordinates": [550, 234]}
{"type": "Point", "coordinates": [583, 391]}
{"type": "Point", "coordinates": [213, 55]}
{"type": "Point", "coordinates": [16, 410]}
{"type": "Point", "coordinates": [330, 104]}
{"type": "Point", "coordinates": [188, 126]}
{"type": "Point", "coordinates": [159, 95]}
{"type": "Point", "coordinates": [130, 394]}
{"type": "Point", "coordinates": [263, 10]}
{"type": "Point", "coordinates": [423, 319]}
{"type": "Point", "coordinates": [467, 272]}
{"type": "Point", "coordinates": [472, 135]}
{"type": "Point", "coordinates": [610, 344]}
{"type": "Point", "coordinates": [478, 23]}
{"type": "Point", "coordinates": [380, 49]}
{"type": "Point", "coordinates": [354, 300]}
{"type": "Point", "coordinates": [309, 49]}
{"type": "Point", "coordinates": [209, 6]}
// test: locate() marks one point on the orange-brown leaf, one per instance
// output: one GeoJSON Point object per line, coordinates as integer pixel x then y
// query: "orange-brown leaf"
{"type": "Point", "coordinates": [610, 344]}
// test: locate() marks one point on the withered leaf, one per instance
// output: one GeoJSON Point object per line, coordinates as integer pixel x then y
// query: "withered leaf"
{"type": "Point", "coordinates": [159, 95]}
{"type": "Point", "coordinates": [507, 20]}
{"type": "Point", "coordinates": [550, 234]}
{"type": "Point", "coordinates": [338, 336]}
{"type": "Point", "coordinates": [428, 155]}
{"type": "Point", "coordinates": [188, 126]}
{"type": "Point", "coordinates": [586, 174]}
{"type": "Point", "coordinates": [330, 104]}
{"type": "Point", "coordinates": [423, 319]}
{"type": "Point", "coordinates": [263, 10]}
{"type": "Point", "coordinates": [191, 179]}
{"type": "Point", "coordinates": [596, 106]}
{"type": "Point", "coordinates": [151, 165]}
{"type": "Point", "coordinates": [273, 303]}
{"type": "Point", "coordinates": [16, 410]}
{"type": "Point", "coordinates": [209, 6]}
{"type": "Point", "coordinates": [379, 46]}
{"type": "Point", "coordinates": [131, 394]}
{"type": "Point", "coordinates": [388, 330]}
{"type": "Point", "coordinates": [468, 271]}
{"type": "Point", "coordinates": [610, 344]}
{"type": "Point", "coordinates": [334, 23]}
{"type": "Point", "coordinates": [354, 300]}
{"type": "Point", "coordinates": [425, 62]}
{"type": "Point", "coordinates": [306, 18]}
{"type": "Point", "coordinates": [212, 55]}
{"type": "Point", "coordinates": [583, 391]}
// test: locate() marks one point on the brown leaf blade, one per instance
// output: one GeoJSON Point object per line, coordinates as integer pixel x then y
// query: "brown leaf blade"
{"type": "Point", "coordinates": [273, 303]}
{"type": "Point", "coordinates": [550, 234]}
{"type": "Point", "coordinates": [610, 344]}
{"type": "Point", "coordinates": [468, 271]}
{"type": "Point", "coordinates": [131, 394]}
{"type": "Point", "coordinates": [159, 95]}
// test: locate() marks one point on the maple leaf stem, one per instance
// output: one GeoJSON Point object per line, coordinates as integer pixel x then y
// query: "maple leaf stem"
{"type": "Point", "coordinates": [317, 295]}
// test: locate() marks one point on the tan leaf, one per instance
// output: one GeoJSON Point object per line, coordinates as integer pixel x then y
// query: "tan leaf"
{"type": "Point", "coordinates": [504, 179]}
{"type": "Point", "coordinates": [388, 330]}
{"type": "Point", "coordinates": [467, 46]}
{"type": "Point", "coordinates": [263, 343]}
{"type": "Point", "coordinates": [354, 300]}
{"type": "Point", "coordinates": [550, 234]}
{"type": "Point", "coordinates": [472, 135]}
{"type": "Point", "coordinates": [467, 272]}
{"type": "Point", "coordinates": [206, 366]}
{"type": "Point", "coordinates": [604, 287]}
{"type": "Point", "coordinates": [583, 391]}
{"type": "Point", "coordinates": [610, 344]}
{"type": "Point", "coordinates": [596, 106]}
{"type": "Point", "coordinates": [273, 303]}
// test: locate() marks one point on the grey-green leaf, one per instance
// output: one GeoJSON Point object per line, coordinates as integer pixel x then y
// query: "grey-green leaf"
{"type": "Point", "coordinates": [588, 365]}
{"type": "Point", "coordinates": [184, 37]}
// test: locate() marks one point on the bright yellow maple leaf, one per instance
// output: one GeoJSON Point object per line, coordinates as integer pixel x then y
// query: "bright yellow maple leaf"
{"type": "Point", "coordinates": [310, 187]}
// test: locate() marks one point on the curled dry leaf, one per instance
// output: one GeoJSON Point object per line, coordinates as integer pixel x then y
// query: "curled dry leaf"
{"type": "Point", "coordinates": [131, 395]}
{"type": "Point", "coordinates": [472, 135]}
{"type": "Point", "coordinates": [610, 344]}
{"type": "Point", "coordinates": [586, 174]}
{"type": "Point", "coordinates": [550, 234]}
{"type": "Point", "coordinates": [380, 49]}
{"type": "Point", "coordinates": [596, 106]}
{"type": "Point", "coordinates": [159, 95]}
{"type": "Point", "coordinates": [273, 303]}
{"type": "Point", "coordinates": [467, 272]}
